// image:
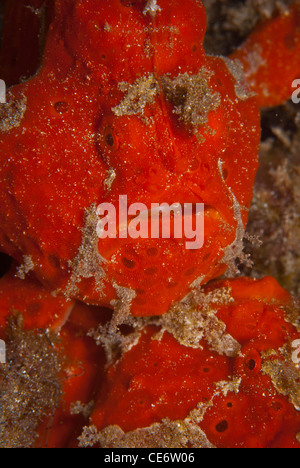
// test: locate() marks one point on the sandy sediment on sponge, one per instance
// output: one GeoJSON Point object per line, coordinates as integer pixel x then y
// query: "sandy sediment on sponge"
{"type": "Point", "coordinates": [29, 385]}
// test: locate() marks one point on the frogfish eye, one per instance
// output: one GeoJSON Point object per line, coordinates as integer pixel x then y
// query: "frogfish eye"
{"type": "Point", "coordinates": [110, 139]}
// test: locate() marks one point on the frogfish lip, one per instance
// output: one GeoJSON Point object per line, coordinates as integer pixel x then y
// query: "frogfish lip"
{"type": "Point", "coordinates": [177, 222]}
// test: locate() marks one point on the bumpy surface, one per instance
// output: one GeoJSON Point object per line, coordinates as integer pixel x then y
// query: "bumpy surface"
{"type": "Point", "coordinates": [222, 358]}
{"type": "Point", "coordinates": [115, 112]}
{"type": "Point", "coordinates": [50, 369]}
{"type": "Point", "coordinates": [80, 377]}
{"type": "Point", "coordinates": [271, 75]}
{"type": "Point", "coordinates": [41, 310]}
{"type": "Point", "coordinates": [217, 370]}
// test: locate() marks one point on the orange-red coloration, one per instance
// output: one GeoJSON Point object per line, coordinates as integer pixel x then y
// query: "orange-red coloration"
{"type": "Point", "coordinates": [38, 307]}
{"type": "Point", "coordinates": [256, 311]}
{"type": "Point", "coordinates": [81, 376]}
{"type": "Point", "coordinates": [57, 161]}
{"type": "Point", "coordinates": [160, 379]}
{"type": "Point", "coordinates": [82, 361]}
{"type": "Point", "coordinates": [270, 57]}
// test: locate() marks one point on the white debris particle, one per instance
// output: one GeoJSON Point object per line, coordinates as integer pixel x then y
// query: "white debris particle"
{"type": "Point", "coordinates": [151, 8]}
{"type": "Point", "coordinates": [229, 386]}
{"type": "Point", "coordinates": [242, 90]}
{"type": "Point", "coordinates": [235, 251]}
{"type": "Point", "coordinates": [88, 262]}
{"type": "Point", "coordinates": [195, 318]}
{"type": "Point", "coordinates": [191, 96]}
{"type": "Point", "coordinates": [121, 305]}
{"type": "Point", "coordinates": [81, 408]}
{"type": "Point", "coordinates": [111, 175]}
{"type": "Point", "coordinates": [109, 335]}
{"type": "Point", "coordinates": [11, 114]}
{"type": "Point", "coordinates": [25, 268]}
{"type": "Point", "coordinates": [137, 95]}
